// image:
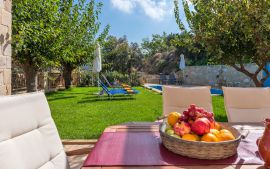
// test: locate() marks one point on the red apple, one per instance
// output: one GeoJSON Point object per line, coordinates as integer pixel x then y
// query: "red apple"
{"type": "Point", "coordinates": [201, 126]}
{"type": "Point", "coordinates": [181, 128]}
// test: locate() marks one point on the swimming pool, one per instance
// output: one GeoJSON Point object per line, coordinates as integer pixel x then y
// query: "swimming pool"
{"type": "Point", "coordinates": [213, 91]}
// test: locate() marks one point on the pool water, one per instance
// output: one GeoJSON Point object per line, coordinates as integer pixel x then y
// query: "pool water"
{"type": "Point", "coordinates": [157, 87]}
{"type": "Point", "coordinates": [212, 90]}
{"type": "Point", "coordinates": [216, 91]}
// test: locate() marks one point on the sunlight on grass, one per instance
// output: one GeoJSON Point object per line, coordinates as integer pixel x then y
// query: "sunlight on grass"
{"type": "Point", "coordinates": [80, 114]}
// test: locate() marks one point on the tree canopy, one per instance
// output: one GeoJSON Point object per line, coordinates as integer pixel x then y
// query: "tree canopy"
{"type": "Point", "coordinates": [59, 33]}
{"type": "Point", "coordinates": [79, 32]}
{"type": "Point", "coordinates": [232, 32]}
{"type": "Point", "coordinates": [157, 44]}
{"type": "Point", "coordinates": [34, 27]}
{"type": "Point", "coordinates": [121, 56]}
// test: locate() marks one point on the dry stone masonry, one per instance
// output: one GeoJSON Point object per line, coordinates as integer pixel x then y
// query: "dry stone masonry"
{"type": "Point", "coordinates": [5, 47]}
{"type": "Point", "coordinates": [218, 75]}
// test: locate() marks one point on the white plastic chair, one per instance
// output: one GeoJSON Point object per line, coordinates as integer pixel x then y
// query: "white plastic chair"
{"type": "Point", "coordinates": [28, 135]}
{"type": "Point", "coordinates": [247, 104]}
{"type": "Point", "coordinates": [179, 98]}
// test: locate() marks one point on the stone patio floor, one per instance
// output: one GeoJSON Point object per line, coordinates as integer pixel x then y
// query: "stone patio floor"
{"type": "Point", "coordinates": [77, 151]}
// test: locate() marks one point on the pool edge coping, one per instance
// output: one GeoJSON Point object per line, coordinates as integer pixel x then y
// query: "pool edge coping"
{"type": "Point", "coordinates": [147, 85]}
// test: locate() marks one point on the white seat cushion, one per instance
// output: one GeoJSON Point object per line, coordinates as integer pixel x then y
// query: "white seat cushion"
{"type": "Point", "coordinates": [28, 135]}
{"type": "Point", "coordinates": [179, 98]}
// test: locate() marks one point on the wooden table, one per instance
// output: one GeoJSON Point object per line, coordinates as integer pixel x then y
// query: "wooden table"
{"type": "Point", "coordinates": [150, 127]}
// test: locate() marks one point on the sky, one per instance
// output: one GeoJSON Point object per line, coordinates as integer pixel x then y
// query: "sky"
{"type": "Point", "coordinates": [138, 19]}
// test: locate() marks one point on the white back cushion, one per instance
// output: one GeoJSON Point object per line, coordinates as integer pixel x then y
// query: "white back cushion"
{"type": "Point", "coordinates": [247, 104]}
{"type": "Point", "coordinates": [179, 98]}
{"type": "Point", "coordinates": [28, 135]}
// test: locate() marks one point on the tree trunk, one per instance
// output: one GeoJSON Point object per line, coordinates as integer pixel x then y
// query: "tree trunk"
{"type": "Point", "coordinates": [253, 76]}
{"type": "Point", "coordinates": [67, 75]}
{"type": "Point", "coordinates": [257, 82]}
{"type": "Point", "coordinates": [31, 77]}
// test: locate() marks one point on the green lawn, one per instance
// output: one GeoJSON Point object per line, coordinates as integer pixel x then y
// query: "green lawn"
{"type": "Point", "coordinates": [79, 114]}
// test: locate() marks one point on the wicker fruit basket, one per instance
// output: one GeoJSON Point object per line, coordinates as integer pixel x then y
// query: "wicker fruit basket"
{"type": "Point", "coordinates": [201, 150]}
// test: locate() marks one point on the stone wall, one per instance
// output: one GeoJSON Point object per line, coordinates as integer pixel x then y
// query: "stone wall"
{"type": "Point", "coordinates": [5, 47]}
{"type": "Point", "coordinates": [217, 75]}
{"type": "Point", "coordinates": [213, 75]}
{"type": "Point", "coordinates": [147, 78]}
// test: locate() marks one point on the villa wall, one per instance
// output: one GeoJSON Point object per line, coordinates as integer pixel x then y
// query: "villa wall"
{"type": "Point", "coordinates": [218, 75]}
{"type": "Point", "coordinates": [5, 47]}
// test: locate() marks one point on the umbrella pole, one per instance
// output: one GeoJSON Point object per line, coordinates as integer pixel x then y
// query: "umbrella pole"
{"type": "Point", "coordinates": [98, 83]}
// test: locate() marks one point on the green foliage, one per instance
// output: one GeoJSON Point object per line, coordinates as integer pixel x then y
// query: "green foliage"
{"type": "Point", "coordinates": [59, 33]}
{"type": "Point", "coordinates": [162, 53]}
{"type": "Point", "coordinates": [157, 44]}
{"type": "Point", "coordinates": [87, 78]}
{"type": "Point", "coordinates": [34, 29]}
{"type": "Point", "coordinates": [79, 28]}
{"type": "Point", "coordinates": [131, 78]}
{"type": "Point", "coordinates": [56, 31]}
{"type": "Point", "coordinates": [232, 32]}
{"type": "Point", "coordinates": [195, 54]}
{"type": "Point", "coordinates": [119, 55]}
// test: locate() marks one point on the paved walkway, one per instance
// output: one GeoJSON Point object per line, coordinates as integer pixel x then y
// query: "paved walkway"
{"type": "Point", "coordinates": [77, 151]}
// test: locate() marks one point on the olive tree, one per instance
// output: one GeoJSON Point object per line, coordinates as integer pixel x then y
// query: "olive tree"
{"type": "Point", "coordinates": [232, 32]}
{"type": "Point", "coordinates": [54, 33]}
{"type": "Point", "coordinates": [34, 29]}
{"type": "Point", "coordinates": [78, 35]}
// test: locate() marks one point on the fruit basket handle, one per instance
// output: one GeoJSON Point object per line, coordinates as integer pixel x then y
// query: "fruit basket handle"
{"type": "Point", "coordinates": [162, 117]}
{"type": "Point", "coordinates": [244, 133]}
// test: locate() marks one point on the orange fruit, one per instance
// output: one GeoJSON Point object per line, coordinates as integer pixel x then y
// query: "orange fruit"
{"type": "Point", "coordinates": [191, 137]}
{"type": "Point", "coordinates": [217, 126]}
{"type": "Point", "coordinates": [225, 136]}
{"type": "Point", "coordinates": [225, 131]}
{"type": "Point", "coordinates": [214, 131]}
{"type": "Point", "coordinates": [173, 118]}
{"type": "Point", "coordinates": [209, 137]}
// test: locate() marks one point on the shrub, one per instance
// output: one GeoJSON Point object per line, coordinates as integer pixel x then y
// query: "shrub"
{"type": "Point", "coordinates": [131, 79]}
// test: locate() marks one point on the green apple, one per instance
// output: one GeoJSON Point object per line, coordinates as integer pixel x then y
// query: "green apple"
{"type": "Point", "coordinates": [176, 136]}
{"type": "Point", "coordinates": [170, 132]}
{"type": "Point", "coordinates": [168, 127]}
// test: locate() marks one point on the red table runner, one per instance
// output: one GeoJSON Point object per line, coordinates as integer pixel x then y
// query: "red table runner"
{"type": "Point", "coordinates": [146, 149]}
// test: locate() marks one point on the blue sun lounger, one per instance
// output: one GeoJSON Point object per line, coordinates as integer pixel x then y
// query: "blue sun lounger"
{"type": "Point", "coordinates": [112, 92]}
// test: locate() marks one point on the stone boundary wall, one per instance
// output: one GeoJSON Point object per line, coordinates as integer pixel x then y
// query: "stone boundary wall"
{"type": "Point", "coordinates": [213, 75]}
{"type": "Point", "coordinates": [147, 78]}
{"type": "Point", "coordinates": [217, 75]}
{"type": "Point", "coordinates": [5, 47]}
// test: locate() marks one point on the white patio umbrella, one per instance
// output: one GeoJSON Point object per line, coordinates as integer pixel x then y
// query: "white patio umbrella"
{"type": "Point", "coordinates": [182, 63]}
{"type": "Point", "coordinates": [97, 64]}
